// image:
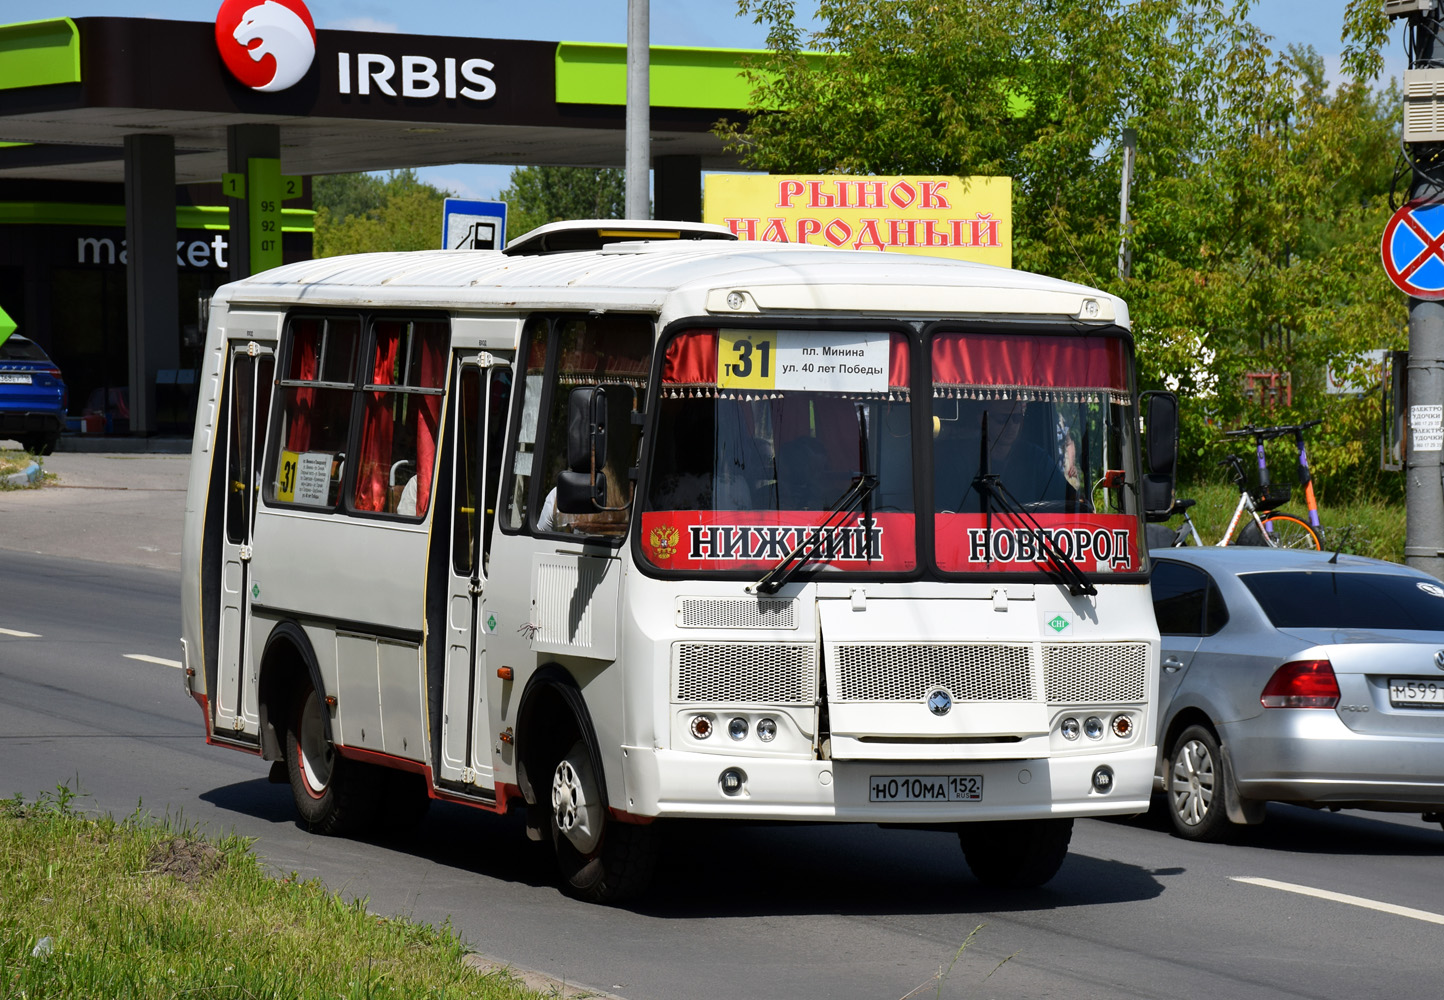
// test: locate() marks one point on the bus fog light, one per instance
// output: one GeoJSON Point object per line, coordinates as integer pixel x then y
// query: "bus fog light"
{"type": "Point", "coordinates": [701, 726]}
{"type": "Point", "coordinates": [737, 728]}
{"type": "Point", "coordinates": [1123, 726]}
{"type": "Point", "coordinates": [767, 730]}
{"type": "Point", "coordinates": [1103, 779]}
{"type": "Point", "coordinates": [1069, 728]}
{"type": "Point", "coordinates": [1093, 727]}
{"type": "Point", "coordinates": [732, 780]}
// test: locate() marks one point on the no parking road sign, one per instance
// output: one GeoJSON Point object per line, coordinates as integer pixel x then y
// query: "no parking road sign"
{"type": "Point", "coordinates": [1413, 249]}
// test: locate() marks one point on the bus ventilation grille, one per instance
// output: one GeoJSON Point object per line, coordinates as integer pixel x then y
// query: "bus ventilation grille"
{"type": "Point", "coordinates": [1095, 672]}
{"type": "Point", "coordinates": [746, 673]}
{"type": "Point", "coordinates": [706, 612]}
{"type": "Point", "coordinates": [899, 672]}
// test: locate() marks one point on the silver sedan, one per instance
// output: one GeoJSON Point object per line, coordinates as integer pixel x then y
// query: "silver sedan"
{"type": "Point", "coordinates": [1297, 677]}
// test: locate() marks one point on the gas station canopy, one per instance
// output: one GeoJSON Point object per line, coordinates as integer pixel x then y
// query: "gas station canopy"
{"type": "Point", "coordinates": [72, 90]}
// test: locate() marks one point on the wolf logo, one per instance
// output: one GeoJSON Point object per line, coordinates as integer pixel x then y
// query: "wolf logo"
{"type": "Point", "coordinates": [284, 36]}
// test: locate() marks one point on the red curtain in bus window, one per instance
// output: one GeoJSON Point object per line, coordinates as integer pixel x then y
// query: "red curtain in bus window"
{"type": "Point", "coordinates": [1013, 361]}
{"type": "Point", "coordinates": [433, 369]}
{"type": "Point", "coordinates": [376, 427]}
{"type": "Point", "coordinates": [305, 341]}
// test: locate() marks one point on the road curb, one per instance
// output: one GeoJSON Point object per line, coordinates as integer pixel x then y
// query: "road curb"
{"type": "Point", "coordinates": [26, 477]}
{"type": "Point", "coordinates": [540, 982]}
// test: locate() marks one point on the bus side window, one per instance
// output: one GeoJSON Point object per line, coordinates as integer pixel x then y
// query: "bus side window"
{"type": "Point", "coordinates": [307, 451]}
{"type": "Point", "coordinates": [608, 351]}
{"type": "Point", "coordinates": [534, 375]}
{"type": "Point", "coordinates": [401, 413]}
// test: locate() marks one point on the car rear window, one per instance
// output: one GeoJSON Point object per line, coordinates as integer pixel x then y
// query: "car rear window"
{"type": "Point", "coordinates": [15, 349]}
{"type": "Point", "coordinates": [1348, 600]}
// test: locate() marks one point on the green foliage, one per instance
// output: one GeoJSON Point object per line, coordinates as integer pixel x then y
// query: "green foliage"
{"type": "Point", "coordinates": [535, 196]}
{"type": "Point", "coordinates": [95, 907]}
{"type": "Point", "coordinates": [361, 213]}
{"type": "Point", "coordinates": [1259, 193]}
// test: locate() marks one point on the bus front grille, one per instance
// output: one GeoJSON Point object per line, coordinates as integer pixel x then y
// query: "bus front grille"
{"type": "Point", "coordinates": [1102, 673]}
{"type": "Point", "coordinates": [911, 672]}
{"type": "Point", "coordinates": [708, 612]}
{"type": "Point", "coordinates": [746, 673]}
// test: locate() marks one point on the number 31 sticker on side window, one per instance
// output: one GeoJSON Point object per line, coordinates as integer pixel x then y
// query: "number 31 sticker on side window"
{"type": "Point", "coordinates": [803, 360]}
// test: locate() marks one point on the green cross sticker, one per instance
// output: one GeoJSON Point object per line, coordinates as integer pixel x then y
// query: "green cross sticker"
{"type": "Point", "coordinates": [1058, 623]}
{"type": "Point", "coordinates": [255, 590]}
{"type": "Point", "coordinates": [491, 623]}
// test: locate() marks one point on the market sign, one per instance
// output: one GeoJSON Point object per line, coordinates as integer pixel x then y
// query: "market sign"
{"type": "Point", "coordinates": [966, 218]}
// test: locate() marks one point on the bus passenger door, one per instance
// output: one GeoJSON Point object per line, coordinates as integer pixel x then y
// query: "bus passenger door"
{"type": "Point", "coordinates": [252, 372]}
{"type": "Point", "coordinates": [479, 409]}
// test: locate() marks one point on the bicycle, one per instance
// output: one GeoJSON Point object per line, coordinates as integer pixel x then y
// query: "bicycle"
{"type": "Point", "coordinates": [1264, 527]}
{"type": "Point", "coordinates": [1306, 479]}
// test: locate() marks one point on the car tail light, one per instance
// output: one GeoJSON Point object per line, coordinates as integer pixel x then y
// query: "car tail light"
{"type": "Point", "coordinates": [53, 372]}
{"type": "Point", "coordinates": [1302, 684]}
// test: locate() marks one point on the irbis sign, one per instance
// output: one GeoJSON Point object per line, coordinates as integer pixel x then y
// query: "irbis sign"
{"type": "Point", "coordinates": [266, 44]}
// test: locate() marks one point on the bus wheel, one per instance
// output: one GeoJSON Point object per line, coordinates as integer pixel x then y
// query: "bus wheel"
{"type": "Point", "coordinates": [601, 861]}
{"type": "Point", "coordinates": [1016, 854]}
{"type": "Point", "coordinates": [331, 793]}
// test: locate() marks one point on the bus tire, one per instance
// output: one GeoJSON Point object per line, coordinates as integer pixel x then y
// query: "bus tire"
{"type": "Point", "coordinates": [333, 795]}
{"type": "Point", "coordinates": [1016, 854]}
{"type": "Point", "coordinates": [600, 860]}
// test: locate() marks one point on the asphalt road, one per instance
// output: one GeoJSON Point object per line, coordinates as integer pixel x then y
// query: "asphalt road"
{"type": "Point", "coordinates": [87, 696]}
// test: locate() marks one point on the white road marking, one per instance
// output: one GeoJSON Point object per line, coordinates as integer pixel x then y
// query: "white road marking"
{"type": "Point", "coordinates": [1339, 897]}
{"type": "Point", "coordinates": [18, 635]}
{"type": "Point", "coordinates": [154, 659]}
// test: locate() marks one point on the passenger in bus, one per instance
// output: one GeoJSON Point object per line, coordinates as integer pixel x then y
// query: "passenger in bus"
{"type": "Point", "coordinates": [1027, 470]}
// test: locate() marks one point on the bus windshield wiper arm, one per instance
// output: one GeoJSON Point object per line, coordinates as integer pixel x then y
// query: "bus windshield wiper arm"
{"type": "Point", "coordinates": [1059, 564]}
{"type": "Point", "coordinates": [806, 550]}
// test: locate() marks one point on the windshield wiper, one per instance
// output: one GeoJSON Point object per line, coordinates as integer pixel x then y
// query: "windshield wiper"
{"type": "Point", "coordinates": [1059, 565]}
{"type": "Point", "coordinates": [806, 550]}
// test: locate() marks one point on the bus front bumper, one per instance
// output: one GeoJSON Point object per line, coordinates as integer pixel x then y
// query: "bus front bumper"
{"type": "Point", "coordinates": [669, 783]}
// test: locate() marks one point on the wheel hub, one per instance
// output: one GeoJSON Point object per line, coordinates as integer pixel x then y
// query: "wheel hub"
{"type": "Point", "coordinates": [576, 801]}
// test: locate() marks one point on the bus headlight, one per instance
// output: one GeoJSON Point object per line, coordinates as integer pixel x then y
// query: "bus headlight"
{"type": "Point", "coordinates": [1123, 726]}
{"type": "Point", "coordinates": [701, 726]}
{"type": "Point", "coordinates": [1093, 727]}
{"type": "Point", "coordinates": [1069, 728]}
{"type": "Point", "coordinates": [737, 728]}
{"type": "Point", "coordinates": [767, 730]}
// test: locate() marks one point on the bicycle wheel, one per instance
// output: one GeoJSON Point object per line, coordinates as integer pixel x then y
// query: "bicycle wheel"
{"type": "Point", "coordinates": [1289, 532]}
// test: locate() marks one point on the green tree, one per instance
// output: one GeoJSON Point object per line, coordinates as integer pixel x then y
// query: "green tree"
{"type": "Point", "coordinates": [537, 195]}
{"type": "Point", "coordinates": [361, 213]}
{"type": "Point", "coordinates": [1259, 193]}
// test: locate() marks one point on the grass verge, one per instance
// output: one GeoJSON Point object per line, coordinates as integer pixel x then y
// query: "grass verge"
{"type": "Point", "coordinates": [1366, 528]}
{"type": "Point", "coordinates": [144, 908]}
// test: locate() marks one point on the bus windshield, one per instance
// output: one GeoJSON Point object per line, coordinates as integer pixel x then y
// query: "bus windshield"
{"type": "Point", "coordinates": [1057, 471]}
{"type": "Point", "coordinates": [761, 434]}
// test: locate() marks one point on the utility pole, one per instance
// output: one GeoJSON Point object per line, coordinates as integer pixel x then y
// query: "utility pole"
{"type": "Point", "coordinates": [1424, 146]}
{"type": "Point", "coordinates": [639, 110]}
{"type": "Point", "coordinates": [1125, 252]}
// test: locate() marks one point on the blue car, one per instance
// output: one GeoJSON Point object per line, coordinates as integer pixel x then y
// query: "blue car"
{"type": "Point", "coordinates": [33, 396]}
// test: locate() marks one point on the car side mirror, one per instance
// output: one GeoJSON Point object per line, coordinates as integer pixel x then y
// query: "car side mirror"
{"type": "Point", "coordinates": [1160, 435]}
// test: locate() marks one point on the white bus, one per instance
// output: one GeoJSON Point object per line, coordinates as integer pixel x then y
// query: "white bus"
{"type": "Point", "coordinates": [678, 528]}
